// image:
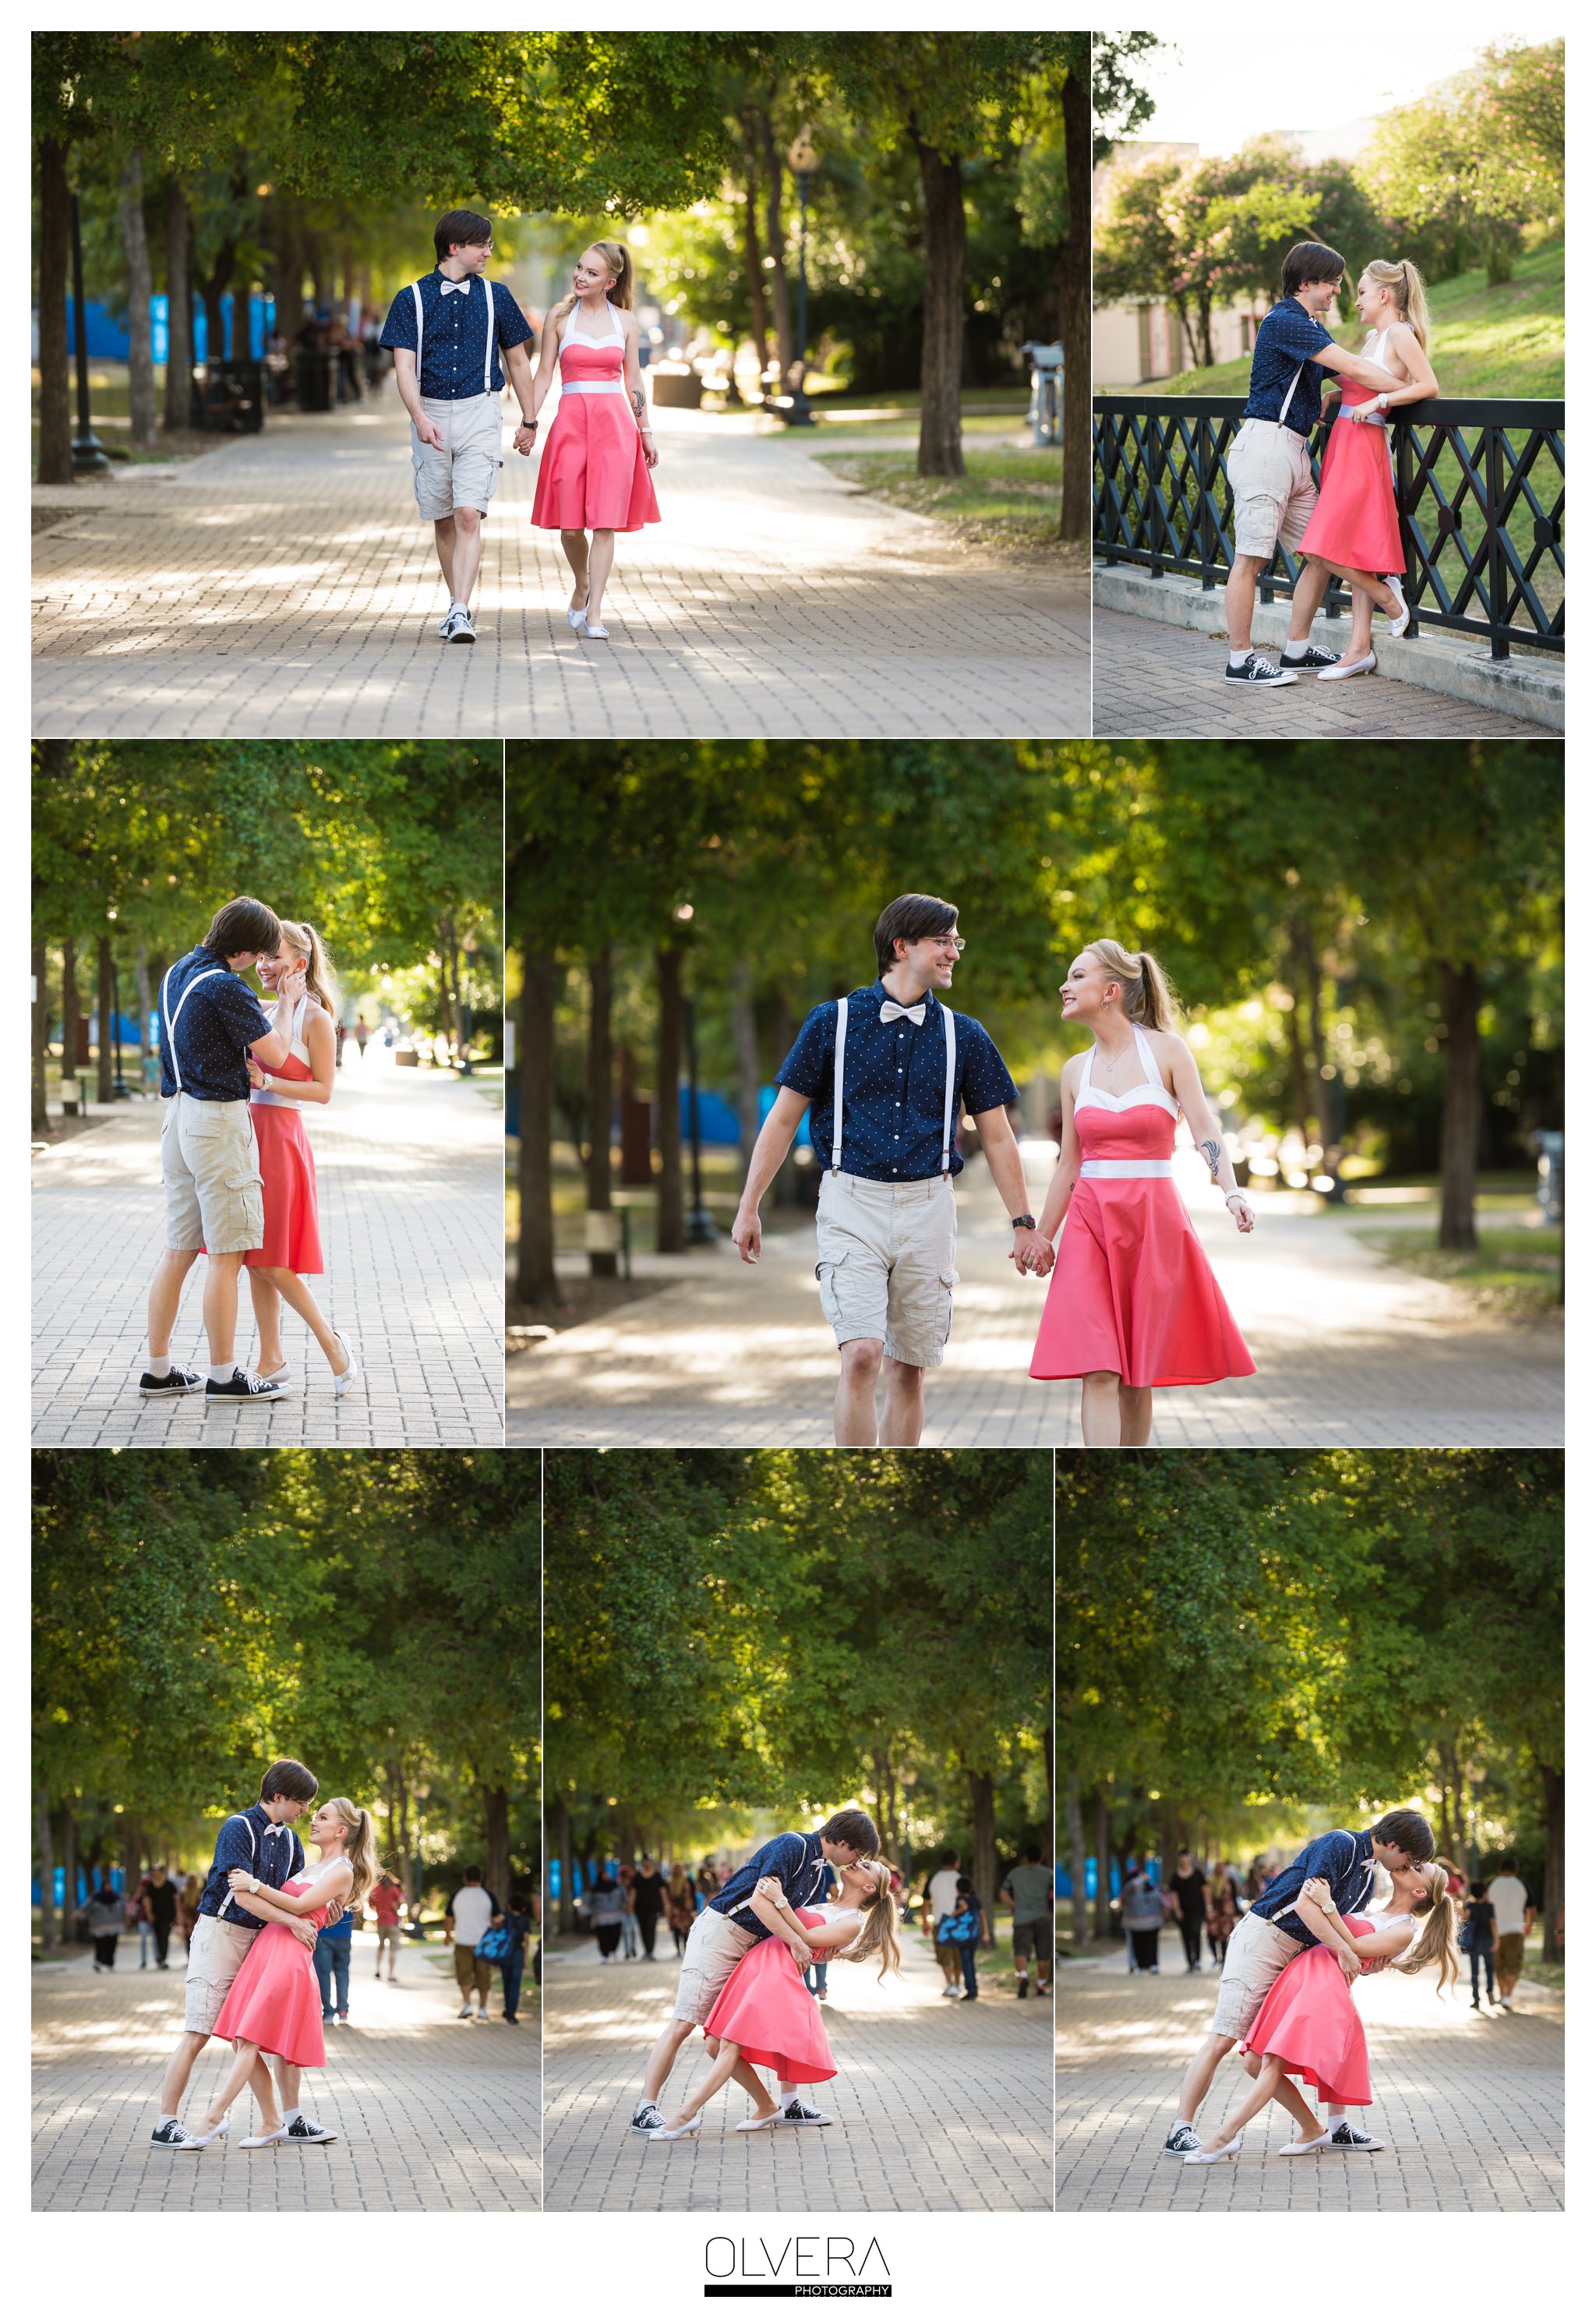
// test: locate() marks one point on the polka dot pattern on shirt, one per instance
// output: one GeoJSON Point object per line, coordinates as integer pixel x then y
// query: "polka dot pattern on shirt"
{"type": "Point", "coordinates": [894, 1082]}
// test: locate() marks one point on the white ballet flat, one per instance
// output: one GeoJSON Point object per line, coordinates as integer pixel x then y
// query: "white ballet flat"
{"type": "Point", "coordinates": [575, 618]}
{"type": "Point", "coordinates": [1399, 625]}
{"type": "Point", "coordinates": [1308, 2146]}
{"type": "Point", "coordinates": [342, 1380]}
{"type": "Point", "coordinates": [1230, 2154]}
{"type": "Point", "coordinates": [680, 2132]}
{"type": "Point", "coordinates": [1350, 667]}
{"type": "Point", "coordinates": [193, 2144]}
{"type": "Point", "coordinates": [593, 632]}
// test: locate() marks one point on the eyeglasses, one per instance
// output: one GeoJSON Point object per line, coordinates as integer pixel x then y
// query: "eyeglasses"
{"type": "Point", "coordinates": [949, 944]}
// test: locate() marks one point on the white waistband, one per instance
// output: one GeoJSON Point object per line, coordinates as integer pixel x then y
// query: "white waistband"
{"type": "Point", "coordinates": [1351, 417]}
{"type": "Point", "coordinates": [609, 384]}
{"type": "Point", "coordinates": [268, 1097]}
{"type": "Point", "coordinates": [1127, 1169]}
{"type": "Point", "coordinates": [922, 1187]}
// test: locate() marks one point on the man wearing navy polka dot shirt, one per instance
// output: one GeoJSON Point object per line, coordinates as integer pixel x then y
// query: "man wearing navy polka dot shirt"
{"type": "Point", "coordinates": [446, 334]}
{"type": "Point", "coordinates": [209, 1023]}
{"type": "Point", "coordinates": [885, 1126]}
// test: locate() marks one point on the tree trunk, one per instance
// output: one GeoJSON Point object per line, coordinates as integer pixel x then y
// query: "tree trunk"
{"type": "Point", "coordinates": [1551, 1888]}
{"type": "Point", "coordinates": [69, 1869]}
{"type": "Point", "coordinates": [1450, 1810]}
{"type": "Point", "coordinates": [776, 243]}
{"type": "Point", "coordinates": [536, 1283]}
{"type": "Point", "coordinates": [47, 1871]}
{"type": "Point", "coordinates": [601, 1263]}
{"type": "Point", "coordinates": [69, 1010]}
{"type": "Point", "coordinates": [753, 256]}
{"type": "Point", "coordinates": [495, 1812]}
{"type": "Point", "coordinates": [566, 1920]}
{"type": "Point", "coordinates": [745, 1040]}
{"type": "Point", "coordinates": [1460, 1103]}
{"type": "Point", "coordinates": [1204, 305]}
{"type": "Point", "coordinates": [180, 345]}
{"type": "Point", "coordinates": [1100, 1904]}
{"type": "Point", "coordinates": [1298, 1060]}
{"type": "Point", "coordinates": [41, 1121]}
{"type": "Point", "coordinates": [142, 981]}
{"type": "Point", "coordinates": [55, 370]}
{"type": "Point", "coordinates": [942, 351]}
{"type": "Point", "coordinates": [1075, 1828]}
{"type": "Point", "coordinates": [984, 1855]}
{"type": "Point", "coordinates": [105, 1085]}
{"type": "Point", "coordinates": [408, 1873]}
{"type": "Point", "coordinates": [1309, 978]}
{"type": "Point", "coordinates": [670, 1226]}
{"type": "Point", "coordinates": [140, 357]}
{"type": "Point", "coordinates": [1074, 312]}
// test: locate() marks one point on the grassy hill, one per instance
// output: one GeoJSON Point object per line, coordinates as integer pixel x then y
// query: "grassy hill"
{"type": "Point", "coordinates": [1485, 343]}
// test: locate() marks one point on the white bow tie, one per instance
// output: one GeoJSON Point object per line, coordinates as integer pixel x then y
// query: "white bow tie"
{"type": "Point", "coordinates": [891, 1009]}
{"type": "Point", "coordinates": [456, 288]}
{"type": "Point", "coordinates": [274, 1829]}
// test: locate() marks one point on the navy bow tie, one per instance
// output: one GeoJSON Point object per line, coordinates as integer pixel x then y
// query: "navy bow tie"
{"type": "Point", "coordinates": [891, 1009]}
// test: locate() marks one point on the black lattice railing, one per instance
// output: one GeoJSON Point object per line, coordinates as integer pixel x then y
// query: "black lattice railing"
{"type": "Point", "coordinates": [1479, 493]}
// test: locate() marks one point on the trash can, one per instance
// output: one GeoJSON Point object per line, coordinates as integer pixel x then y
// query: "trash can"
{"type": "Point", "coordinates": [315, 379]}
{"type": "Point", "coordinates": [229, 396]}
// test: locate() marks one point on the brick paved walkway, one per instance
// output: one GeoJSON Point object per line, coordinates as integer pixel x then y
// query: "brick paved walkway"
{"type": "Point", "coordinates": [433, 2113]}
{"type": "Point", "coordinates": [409, 1168]}
{"type": "Point", "coordinates": [283, 587]}
{"type": "Point", "coordinates": [1472, 2108]}
{"type": "Point", "coordinates": [936, 2106]}
{"type": "Point", "coordinates": [1152, 679]}
{"type": "Point", "coordinates": [1351, 1351]}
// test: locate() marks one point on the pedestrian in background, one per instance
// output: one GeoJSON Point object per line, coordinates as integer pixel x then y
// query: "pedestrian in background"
{"type": "Point", "coordinates": [470, 1912]}
{"type": "Point", "coordinates": [1516, 1918]}
{"type": "Point", "coordinates": [1191, 1906]}
{"type": "Point", "coordinates": [647, 1904]}
{"type": "Point", "coordinates": [1141, 1909]}
{"type": "Point", "coordinates": [1028, 1892]}
{"type": "Point", "coordinates": [962, 1931]}
{"type": "Point", "coordinates": [1222, 1914]}
{"type": "Point", "coordinates": [938, 1899]}
{"type": "Point", "coordinates": [603, 1903]}
{"type": "Point", "coordinates": [103, 1914]}
{"type": "Point", "coordinates": [385, 1901]}
{"type": "Point", "coordinates": [1479, 1939]}
{"type": "Point", "coordinates": [160, 1912]}
{"type": "Point", "coordinates": [681, 1904]}
{"type": "Point", "coordinates": [334, 1948]}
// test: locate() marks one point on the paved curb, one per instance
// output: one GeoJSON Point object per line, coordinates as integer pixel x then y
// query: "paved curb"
{"type": "Point", "coordinates": [1460, 670]}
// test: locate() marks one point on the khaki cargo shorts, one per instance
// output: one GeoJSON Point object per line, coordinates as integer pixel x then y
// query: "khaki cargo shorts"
{"type": "Point", "coordinates": [1271, 478]}
{"type": "Point", "coordinates": [465, 471]}
{"type": "Point", "coordinates": [714, 1946]}
{"type": "Point", "coordinates": [1254, 1959]}
{"type": "Point", "coordinates": [215, 1954]}
{"type": "Point", "coordinates": [211, 1174]}
{"type": "Point", "coordinates": [885, 1263]}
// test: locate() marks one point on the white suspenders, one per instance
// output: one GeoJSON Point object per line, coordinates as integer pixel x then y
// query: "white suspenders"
{"type": "Point", "coordinates": [1291, 389]}
{"type": "Point", "coordinates": [172, 1015]}
{"type": "Point", "coordinates": [493, 330]}
{"type": "Point", "coordinates": [949, 1036]}
{"type": "Point", "coordinates": [250, 1831]}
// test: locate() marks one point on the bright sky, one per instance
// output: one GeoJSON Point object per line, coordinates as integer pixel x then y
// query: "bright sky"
{"type": "Point", "coordinates": [1205, 95]}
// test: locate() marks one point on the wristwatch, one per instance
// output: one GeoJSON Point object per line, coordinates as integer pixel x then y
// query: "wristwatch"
{"type": "Point", "coordinates": [1027, 1221]}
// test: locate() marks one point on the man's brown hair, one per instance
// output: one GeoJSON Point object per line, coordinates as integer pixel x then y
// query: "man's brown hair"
{"type": "Point", "coordinates": [244, 925]}
{"type": "Point", "coordinates": [1311, 260]}
{"type": "Point", "coordinates": [290, 1778]}
{"type": "Point", "coordinates": [1410, 1833]}
{"type": "Point", "coordinates": [854, 1828]}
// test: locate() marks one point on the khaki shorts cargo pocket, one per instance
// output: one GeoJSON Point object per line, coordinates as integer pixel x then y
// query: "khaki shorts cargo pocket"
{"type": "Point", "coordinates": [826, 1274]}
{"type": "Point", "coordinates": [948, 1278]}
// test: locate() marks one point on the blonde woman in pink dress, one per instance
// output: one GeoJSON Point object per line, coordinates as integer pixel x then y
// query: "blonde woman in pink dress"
{"type": "Point", "coordinates": [594, 476]}
{"type": "Point", "coordinates": [1354, 532]}
{"type": "Point", "coordinates": [765, 2016]}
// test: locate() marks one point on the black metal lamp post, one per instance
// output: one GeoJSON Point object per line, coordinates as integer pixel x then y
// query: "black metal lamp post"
{"type": "Point", "coordinates": [701, 1225]}
{"type": "Point", "coordinates": [87, 454]}
{"type": "Point", "coordinates": [467, 947]}
{"type": "Point", "coordinates": [801, 160]}
{"type": "Point", "coordinates": [121, 1089]}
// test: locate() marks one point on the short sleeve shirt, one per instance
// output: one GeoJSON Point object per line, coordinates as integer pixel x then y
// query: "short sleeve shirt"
{"type": "Point", "coordinates": [1340, 1858]}
{"type": "Point", "coordinates": [1031, 1888]}
{"type": "Point", "coordinates": [894, 1082]}
{"type": "Point", "coordinates": [1287, 339]}
{"type": "Point", "coordinates": [273, 1856]}
{"type": "Point", "coordinates": [217, 1022]}
{"type": "Point", "coordinates": [797, 1865]}
{"type": "Point", "coordinates": [1509, 1901]}
{"type": "Point", "coordinates": [454, 344]}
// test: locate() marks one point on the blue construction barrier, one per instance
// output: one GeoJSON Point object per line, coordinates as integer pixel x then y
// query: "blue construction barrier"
{"type": "Point", "coordinates": [107, 337]}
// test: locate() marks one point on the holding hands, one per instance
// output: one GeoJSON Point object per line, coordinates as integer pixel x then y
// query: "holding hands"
{"type": "Point", "coordinates": [526, 436]}
{"type": "Point", "coordinates": [1032, 1253]}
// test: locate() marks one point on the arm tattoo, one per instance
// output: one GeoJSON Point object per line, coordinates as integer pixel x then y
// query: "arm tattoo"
{"type": "Point", "coordinates": [1210, 1150]}
{"type": "Point", "coordinates": [637, 402]}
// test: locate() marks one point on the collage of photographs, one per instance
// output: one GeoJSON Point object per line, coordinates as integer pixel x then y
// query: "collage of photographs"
{"type": "Point", "coordinates": [777, 778]}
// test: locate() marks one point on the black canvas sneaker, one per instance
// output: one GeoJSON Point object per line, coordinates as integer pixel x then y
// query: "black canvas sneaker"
{"type": "Point", "coordinates": [1182, 2140]}
{"type": "Point", "coordinates": [175, 1381]}
{"type": "Point", "coordinates": [1260, 673]}
{"type": "Point", "coordinates": [302, 2132]}
{"type": "Point", "coordinates": [1353, 2141]}
{"type": "Point", "coordinates": [647, 2118]}
{"type": "Point", "coordinates": [242, 1387]}
{"type": "Point", "coordinates": [800, 2111]}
